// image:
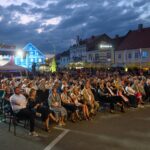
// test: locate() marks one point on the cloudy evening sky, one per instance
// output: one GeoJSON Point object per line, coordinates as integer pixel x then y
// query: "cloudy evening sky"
{"type": "Point", "coordinates": [56, 23]}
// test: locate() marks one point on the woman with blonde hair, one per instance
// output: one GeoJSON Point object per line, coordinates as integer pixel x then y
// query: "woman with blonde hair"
{"type": "Point", "coordinates": [76, 97]}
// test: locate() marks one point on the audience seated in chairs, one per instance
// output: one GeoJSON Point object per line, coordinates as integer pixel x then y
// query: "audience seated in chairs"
{"type": "Point", "coordinates": [68, 104]}
{"type": "Point", "coordinates": [88, 98]}
{"type": "Point", "coordinates": [55, 105]}
{"type": "Point", "coordinates": [38, 109]}
{"type": "Point", "coordinates": [19, 106]}
{"type": "Point", "coordinates": [78, 102]}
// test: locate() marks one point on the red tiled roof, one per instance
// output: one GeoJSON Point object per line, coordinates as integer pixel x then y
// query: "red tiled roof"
{"type": "Point", "coordinates": [118, 40]}
{"type": "Point", "coordinates": [136, 39]}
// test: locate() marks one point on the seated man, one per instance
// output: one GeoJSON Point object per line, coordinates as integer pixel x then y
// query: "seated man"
{"type": "Point", "coordinates": [18, 103]}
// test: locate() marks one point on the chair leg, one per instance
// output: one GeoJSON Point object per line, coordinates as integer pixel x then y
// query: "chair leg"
{"type": "Point", "coordinates": [14, 123]}
{"type": "Point", "coordinates": [10, 120]}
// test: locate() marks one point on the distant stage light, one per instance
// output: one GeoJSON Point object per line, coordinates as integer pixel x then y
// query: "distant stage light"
{"type": "Point", "coordinates": [20, 53]}
{"type": "Point", "coordinates": [105, 46]}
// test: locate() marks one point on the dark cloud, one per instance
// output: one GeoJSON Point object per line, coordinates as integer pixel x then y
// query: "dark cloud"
{"type": "Point", "coordinates": [56, 23]}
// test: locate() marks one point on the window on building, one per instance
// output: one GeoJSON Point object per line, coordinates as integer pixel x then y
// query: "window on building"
{"type": "Point", "coordinates": [96, 57]}
{"type": "Point", "coordinates": [31, 59]}
{"type": "Point", "coordinates": [31, 53]}
{"type": "Point", "coordinates": [30, 48]}
{"type": "Point", "coordinates": [144, 54]}
{"type": "Point", "coordinates": [90, 57]}
{"type": "Point", "coordinates": [129, 55]}
{"type": "Point", "coordinates": [136, 55]}
{"type": "Point", "coordinates": [40, 60]}
{"type": "Point", "coordinates": [119, 56]}
{"type": "Point", "coordinates": [108, 55]}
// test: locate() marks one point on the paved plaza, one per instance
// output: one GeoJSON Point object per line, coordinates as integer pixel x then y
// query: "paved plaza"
{"type": "Point", "coordinates": [130, 130]}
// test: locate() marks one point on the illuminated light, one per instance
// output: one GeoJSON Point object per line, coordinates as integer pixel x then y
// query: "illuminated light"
{"type": "Point", "coordinates": [126, 69]}
{"type": "Point", "coordinates": [79, 68]}
{"type": "Point", "coordinates": [105, 46]}
{"type": "Point", "coordinates": [31, 59]}
{"type": "Point", "coordinates": [40, 60]}
{"type": "Point", "coordinates": [20, 53]}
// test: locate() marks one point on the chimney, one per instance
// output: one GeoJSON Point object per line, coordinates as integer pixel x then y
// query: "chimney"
{"type": "Point", "coordinates": [140, 26]}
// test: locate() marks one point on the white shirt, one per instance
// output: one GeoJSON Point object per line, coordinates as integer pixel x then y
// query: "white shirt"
{"type": "Point", "coordinates": [18, 102]}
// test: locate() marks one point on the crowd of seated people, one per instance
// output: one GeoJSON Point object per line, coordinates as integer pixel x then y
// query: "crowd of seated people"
{"type": "Point", "coordinates": [73, 96]}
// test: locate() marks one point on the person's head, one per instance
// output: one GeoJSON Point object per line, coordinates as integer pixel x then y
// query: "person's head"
{"type": "Point", "coordinates": [17, 90]}
{"type": "Point", "coordinates": [32, 93]}
{"type": "Point", "coordinates": [148, 81]}
{"type": "Point", "coordinates": [65, 89]}
{"type": "Point", "coordinates": [7, 90]}
{"type": "Point", "coordinates": [75, 90]}
{"type": "Point", "coordinates": [30, 84]}
{"type": "Point", "coordinates": [54, 90]}
{"type": "Point", "coordinates": [101, 85]}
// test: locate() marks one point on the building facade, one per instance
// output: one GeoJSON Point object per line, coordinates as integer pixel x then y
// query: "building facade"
{"type": "Point", "coordinates": [78, 53]}
{"type": "Point", "coordinates": [63, 59]}
{"type": "Point", "coordinates": [134, 51]}
{"type": "Point", "coordinates": [32, 55]}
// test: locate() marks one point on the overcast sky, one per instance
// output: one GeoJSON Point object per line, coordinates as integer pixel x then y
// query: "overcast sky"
{"type": "Point", "coordinates": [56, 23]}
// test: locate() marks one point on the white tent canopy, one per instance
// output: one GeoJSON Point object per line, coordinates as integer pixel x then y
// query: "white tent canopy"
{"type": "Point", "coordinates": [12, 67]}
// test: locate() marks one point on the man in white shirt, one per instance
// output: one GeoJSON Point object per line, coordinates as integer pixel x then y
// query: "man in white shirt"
{"type": "Point", "coordinates": [18, 103]}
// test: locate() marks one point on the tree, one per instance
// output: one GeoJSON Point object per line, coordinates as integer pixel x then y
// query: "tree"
{"type": "Point", "coordinates": [53, 66]}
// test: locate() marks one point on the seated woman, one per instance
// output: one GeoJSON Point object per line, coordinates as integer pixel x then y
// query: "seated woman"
{"type": "Point", "coordinates": [136, 87]}
{"type": "Point", "coordinates": [113, 97]}
{"type": "Point", "coordinates": [88, 98]}
{"type": "Point", "coordinates": [39, 109]}
{"type": "Point", "coordinates": [68, 104]}
{"type": "Point", "coordinates": [76, 98]}
{"type": "Point", "coordinates": [131, 95]}
{"type": "Point", "coordinates": [103, 97]}
{"type": "Point", "coordinates": [55, 105]}
{"type": "Point", "coordinates": [120, 92]}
